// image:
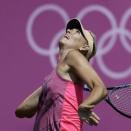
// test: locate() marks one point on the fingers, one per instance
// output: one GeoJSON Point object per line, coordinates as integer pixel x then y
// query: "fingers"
{"type": "Point", "coordinates": [88, 116]}
{"type": "Point", "coordinates": [95, 116]}
{"type": "Point", "coordinates": [91, 118]}
{"type": "Point", "coordinates": [93, 121]}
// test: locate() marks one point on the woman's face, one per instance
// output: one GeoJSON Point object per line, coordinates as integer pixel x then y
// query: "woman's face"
{"type": "Point", "coordinates": [72, 39]}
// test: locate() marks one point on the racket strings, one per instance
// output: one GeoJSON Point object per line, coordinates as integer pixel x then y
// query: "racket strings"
{"type": "Point", "coordinates": [121, 100]}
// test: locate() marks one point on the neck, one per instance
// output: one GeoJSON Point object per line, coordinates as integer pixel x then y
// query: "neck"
{"type": "Point", "coordinates": [63, 53]}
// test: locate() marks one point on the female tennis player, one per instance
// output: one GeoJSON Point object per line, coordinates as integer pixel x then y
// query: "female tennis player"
{"type": "Point", "coordinates": [58, 103]}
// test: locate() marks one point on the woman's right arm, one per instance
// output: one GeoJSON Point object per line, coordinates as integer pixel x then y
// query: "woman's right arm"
{"type": "Point", "coordinates": [28, 107]}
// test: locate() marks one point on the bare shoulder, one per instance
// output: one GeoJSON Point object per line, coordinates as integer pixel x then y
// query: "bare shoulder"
{"type": "Point", "coordinates": [82, 68]}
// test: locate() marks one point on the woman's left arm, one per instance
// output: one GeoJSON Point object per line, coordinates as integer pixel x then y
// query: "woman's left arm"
{"type": "Point", "coordinates": [84, 70]}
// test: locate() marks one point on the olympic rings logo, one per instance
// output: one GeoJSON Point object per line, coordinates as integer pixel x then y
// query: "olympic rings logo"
{"type": "Point", "coordinates": [102, 49]}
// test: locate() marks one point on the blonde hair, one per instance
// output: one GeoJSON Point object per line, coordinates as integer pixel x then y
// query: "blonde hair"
{"type": "Point", "coordinates": [93, 52]}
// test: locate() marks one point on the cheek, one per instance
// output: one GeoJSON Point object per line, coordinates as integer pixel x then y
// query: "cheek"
{"type": "Point", "coordinates": [77, 42]}
{"type": "Point", "coordinates": [77, 39]}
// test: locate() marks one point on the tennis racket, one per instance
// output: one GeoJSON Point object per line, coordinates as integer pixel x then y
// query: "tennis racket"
{"type": "Point", "coordinates": [119, 98]}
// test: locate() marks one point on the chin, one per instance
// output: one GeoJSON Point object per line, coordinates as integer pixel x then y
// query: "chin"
{"type": "Point", "coordinates": [62, 41]}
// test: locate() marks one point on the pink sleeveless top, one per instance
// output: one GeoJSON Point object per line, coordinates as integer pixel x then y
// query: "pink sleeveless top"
{"type": "Point", "coordinates": [58, 105]}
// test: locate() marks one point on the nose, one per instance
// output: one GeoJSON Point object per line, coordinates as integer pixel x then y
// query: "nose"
{"type": "Point", "coordinates": [68, 31]}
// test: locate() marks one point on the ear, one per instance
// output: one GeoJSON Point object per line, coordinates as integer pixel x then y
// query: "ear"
{"type": "Point", "coordinates": [85, 47]}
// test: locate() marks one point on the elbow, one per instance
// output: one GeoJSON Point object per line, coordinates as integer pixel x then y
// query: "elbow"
{"type": "Point", "coordinates": [101, 90]}
{"type": "Point", "coordinates": [104, 92]}
{"type": "Point", "coordinates": [23, 113]}
{"type": "Point", "coordinates": [19, 113]}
